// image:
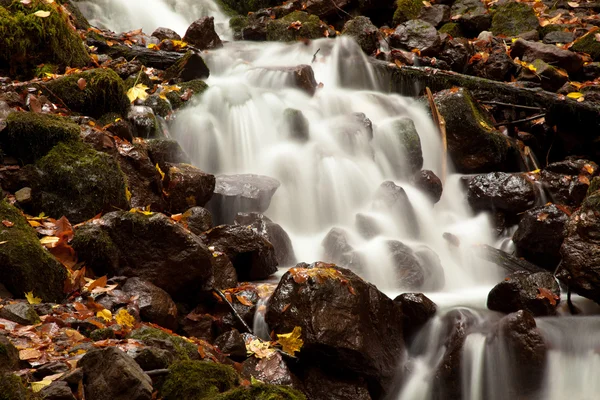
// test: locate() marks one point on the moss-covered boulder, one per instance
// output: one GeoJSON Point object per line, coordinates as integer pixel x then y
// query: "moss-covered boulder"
{"type": "Point", "coordinates": [362, 30]}
{"type": "Point", "coordinates": [453, 29]}
{"type": "Point", "coordinates": [197, 87]}
{"type": "Point", "coordinates": [261, 391]}
{"type": "Point", "coordinates": [24, 264]}
{"type": "Point", "coordinates": [310, 27]}
{"type": "Point", "coordinates": [198, 380]}
{"type": "Point", "coordinates": [407, 10]}
{"type": "Point", "coordinates": [28, 40]}
{"type": "Point", "coordinates": [9, 355]}
{"type": "Point", "coordinates": [588, 44]}
{"type": "Point", "coordinates": [13, 388]}
{"type": "Point", "coordinates": [78, 182]}
{"type": "Point", "coordinates": [513, 18]}
{"type": "Point", "coordinates": [103, 93]}
{"type": "Point", "coordinates": [29, 136]}
{"type": "Point", "coordinates": [181, 348]}
{"type": "Point", "coordinates": [189, 67]}
{"type": "Point", "coordinates": [243, 7]}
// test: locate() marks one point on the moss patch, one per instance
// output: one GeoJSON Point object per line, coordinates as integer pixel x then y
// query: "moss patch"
{"type": "Point", "coordinates": [184, 349]}
{"type": "Point", "coordinates": [104, 92]}
{"type": "Point", "coordinates": [407, 10]}
{"type": "Point", "coordinates": [198, 86]}
{"type": "Point", "coordinates": [243, 7]}
{"type": "Point", "coordinates": [238, 23]}
{"type": "Point", "coordinates": [588, 44]}
{"type": "Point", "coordinates": [262, 391]}
{"type": "Point", "coordinates": [29, 136]}
{"type": "Point", "coordinates": [312, 28]}
{"type": "Point", "coordinates": [453, 29]}
{"type": "Point", "coordinates": [198, 380]}
{"type": "Point", "coordinates": [24, 265]}
{"type": "Point", "coordinates": [27, 40]}
{"type": "Point", "coordinates": [513, 18]}
{"type": "Point", "coordinates": [78, 182]}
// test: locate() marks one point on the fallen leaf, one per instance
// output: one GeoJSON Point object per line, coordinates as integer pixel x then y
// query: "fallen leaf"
{"type": "Point", "coordinates": [7, 223]}
{"type": "Point", "coordinates": [49, 240]}
{"type": "Point", "coordinates": [124, 318]}
{"type": "Point", "coordinates": [37, 386]}
{"type": "Point", "coordinates": [32, 299]}
{"type": "Point", "coordinates": [100, 282]}
{"type": "Point", "coordinates": [29, 354]}
{"type": "Point", "coordinates": [244, 301]}
{"type": "Point", "coordinates": [127, 193]}
{"type": "Point", "coordinates": [291, 342]}
{"type": "Point", "coordinates": [295, 25]}
{"type": "Point", "coordinates": [137, 92]}
{"type": "Point", "coordinates": [259, 349]}
{"type": "Point", "coordinates": [162, 174]}
{"type": "Point", "coordinates": [153, 46]}
{"type": "Point", "coordinates": [573, 4]}
{"type": "Point", "coordinates": [575, 95]}
{"type": "Point", "coordinates": [42, 13]}
{"type": "Point", "coordinates": [548, 295]}
{"type": "Point", "coordinates": [81, 83]}
{"type": "Point", "coordinates": [542, 216]}
{"type": "Point", "coordinates": [105, 315]}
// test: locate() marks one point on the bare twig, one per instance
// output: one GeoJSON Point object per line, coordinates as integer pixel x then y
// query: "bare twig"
{"type": "Point", "coordinates": [336, 6]}
{"type": "Point", "coordinates": [499, 103]}
{"type": "Point", "coordinates": [157, 372]}
{"type": "Point", "coordinates": [441, 124]}
{"type": "Point", "coordinates": [233, 310]}
{"type": "Point", "coordinates": [315, 55]}
{"type": "Point", "coordinates": [518, 121]}
{"type": "Point", "coordinates": [44, 87]}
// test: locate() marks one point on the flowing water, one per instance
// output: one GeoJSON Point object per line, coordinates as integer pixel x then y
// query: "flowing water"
{"type": "Point", "coordinates": [239, 126]}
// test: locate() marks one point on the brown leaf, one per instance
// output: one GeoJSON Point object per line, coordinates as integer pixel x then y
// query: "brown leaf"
{"type": "Point", "coordinates": [244, 301]}
{"type": "Point", "coordinates": [295, 25]}
{"type": "Point", "coordinates": [548, 295]}
{"type": "Point", "coordinates": [81, 83]}
{"type": "Point", "coordinates": [542, 216]}
{"type": "Point", "coordinates": [7, 223]}
{"type": "Point", "coordinates": [100, 282]}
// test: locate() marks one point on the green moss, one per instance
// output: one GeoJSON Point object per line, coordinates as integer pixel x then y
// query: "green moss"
{"type": "Point", "coordinates": [228, 10]}
{"type": "Point", "coordinates": [277, 30]}
{"type": "Point", "coordinates": [9, 355]}
{"type": "Point", "coordinates": [198, 380]}
{"type": "Point", "coordinates": [27, 40]}
{"type": "Point", "coordinates": [43, 69]}
{"type": "Point", "coordinates": [109, 118]}
{"type": "Point", "coordinates": [243, 7]}
{"type": "Point", "coordinates": [544, 30]}
{"type": "Point", "coordinates": [104, 92]}
{"type": "Point", "coordinates": [102, 334]}
{"type": "Point", "coordinates": [78, 19]}
{"type": "Point", "coordinates": [513, 18]}
{"type": "Point", "coordinates": [594, 185]}
{"type": "Point", "coordinates": [158, 105]}
{"type": "Point", "coordinates": [29, 136]}
{"type": "Point", "coordinates": [12, 388]}
{"type": "Point", "coordinates": [238, 23]}
{"type": "Point", "coordinates": [453, 29]}
{"type": "Point", "coordinates": [589, 45]}
{"type": "Point", "coordinates": [138, 78]}
{"type": "Point", "coordinates": [197, 85]}
{"type": "Point", "coordinates": [409, 138]}
{"type": "Point", "coordinates": [591, 202]}
{"type": "Point", "coordinates": [262, 391]}
{"type": "Point", "coordinates": [78, 182]}
{"type": "Point", "coordinates": [94, 244]}
{"type": "Point", "coordinates": [185, 350]}
{"type": "Point", "coordinates": [407, 10]}
{"type": "Point", "coordinates": [24, 265]}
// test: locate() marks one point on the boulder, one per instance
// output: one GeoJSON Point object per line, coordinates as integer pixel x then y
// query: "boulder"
{"type": "Point", "coordinates": [301, 77]}
{"type": "Point", "coordinates": [143, 122]}
{"type": "Point", "coordinates": [22, 313]}
{"type": "Point", "coordinates": [362, 30]}
{"type": "Point", "coordinates": [197, 380]}
{"type": "Point", "coordinates": [512, 19]}
{"type": "Point", "coordinates": [178, 348]}
{"type": "Point", "coordinates": [407, 10]}
{"type": "Point", "coordinates": [274, 233]}
{"type": "Point", "coordinates": [548, 77]}
{"type": "Point", "coordinates": [561, 37]}
{"type": "Point", "coordinates": [25, 266]}
{"type": "Point", "coordinates": [104, 92]}
{"type": "Point", "coordinates": [417, 310]}
{"type": "Point", "coordinates": [189, 67]}
{"type": "Point", "coordinates": [540, 235]}
{"type": "Point", "coordinates": [150, 358]}
{"type": "Point", "coordinates": [232, 343]}
{"type": "Point", "coordinates": [537, 293]}
{"type": "Point", "coordinates": [320, 385]}
{"type": "Point", "coordinates": [336, 245]}
{"type": "Point", "coordinates": [189, 90]}
{"type": "Point", "coordinates": [57, 390]}
{"type": "Point", "coordinates": [165, 33]}
{"type": "Point", "coordinates": [241, 193]}
{"type": "Point", "coordinates": [187, 186]}
{"type": "Point", "coordinates": [365, 336]}
{"type": "Point", "coordinates": [392, 199]}
{"type": "Point", "coordinates": [252, 255]}
{"type": "Point", "coordinates": [150, 247]}
{"type": "Point", "coordinates": [197, 220]}
{"type": "Point", "coordinates": [567, 182]}
{"type": "Point", "coordinates": [201, 34]}
{"type": "Point", "coordinates": [474, 145]}
{"type": "Point", "coordinates": [161, 107]}
{"type": "Point", "coordinates": [456, 53]}
{"type": "Point", "coordinates": [418, 269]}
{"type": "Point", "coordinates": [419, 35]}
{"type": "Point", "coordinates": [110, 374]}
{"type": "Point", "coordinates": [224, 272]}
{"type": "Point", "coordinates": [496, 64]}
{"type": "Point", "coordinates": [9, 356]}
{"type": "Point", "coordinates": [500, 191]}
{"type": "Point", "coordinates": [367, 226]}
{"type": "Point", "coordinates": [472, 16]}
{"type": "Point", "coordinates": [272, 370]}
{"type": "Point", "coordinates": [163, 151]}
{"type": "Point", "coordinates": [428, 182]}
{"type": "Point", "coordinates": [588, 44]}
{"type": "Point", "coordinates": [155, 304]}
{"type": "Point", "coordinates": [530, 51]}
{"type": "Point", "coordinates": [296, 124]}
{"type": "Point", "coordinates": [401, 133]}
{"type": "Point", "coordinates": [309, 27]}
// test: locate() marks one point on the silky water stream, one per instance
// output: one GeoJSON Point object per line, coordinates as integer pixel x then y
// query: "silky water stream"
{"type": "Point", "coordinates": [239, 126]}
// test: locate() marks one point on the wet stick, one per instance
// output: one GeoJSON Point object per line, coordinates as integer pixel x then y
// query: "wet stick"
{"type": "Point", "coordinates": [441, 124]}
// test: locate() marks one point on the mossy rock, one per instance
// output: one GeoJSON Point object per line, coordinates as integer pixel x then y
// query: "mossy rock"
{"type": "Point", "coordinates": [78, 182]}
{"type": "Point", "coordinates": [237, 24]}
{"type": "Point", "coordinates": [589, 45]}
{"type": "Point", "coordinates": [513, 18]}
{"type": "Point", "coordinates": [184, 350]}
{"type": "Point", "coordinates": [29, 136]}
{"type": "Point", "coordinates": [261, 391]}
{"type": "Point", "coordinates": [160, 106]}
{"type": "Point", "coordinates": [24, 264]}
{"type": "Point", "coordinates": [78, 19]}
{"type": "Point", "coordinates": [407, 10]}
{"type": "Point", "coordinates": [102, 334]}
{"type": "Point", "coordinates": [27, 40]}
{"type": "Point", "coordinates": [594, 185]}
{"type": "Point", "coordinates": [243, 7]}
{"type": "Point", "coordinates": [9, 355]}
{"type": "Point", "coordinates": [198, 380]}
{"type": "Point", "coordinates": [198, 86]}
{"type": "Point", "coordinates": [453, 29]}
{"type": "Point", "coordinates": [138, 78]}
{"type": "Point", "coordinates": [104, 92]}
{"type": "Point", "coordinates": [13, 388]}
{"type": "Point", "coordinates": [188, 68]}
{"type": "Point", "coordinates": [312, 28]}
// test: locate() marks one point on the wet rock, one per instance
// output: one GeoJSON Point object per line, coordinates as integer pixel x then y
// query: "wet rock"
{"type": "Point", "coordinates": [202, 35]}
{"type": "Point", "coordinates": [416, 269]}
{"type": "Point", "coordinates": [362, 30]}
{"type": "Point", "coordinates": [537, 293]}
{"type": "Point", "coordinates": [319, 385]}
{"type": "Point", "coordinates": [23, 196]}
{"type": "Point", "coordinates": [197, 220]}
{"type": "Point", "coordinates": [417, 34]}
{"type": "Point", "coordinates": [165, 33]}
{"type": "Point", "coordinates": [364, 122]}
{"type": "Point", "coordinates": [233, 344]}
{"type": "Point", "coordinates": [150, 358]}
{"type": "Point", "coordinates": [436, 14]}
{"type": "Point", "coordinates": [271, 231]}
{"type": "Point", "coordinates": [555, 37]}
{"type": "Point", "coordinates": [118, 244]}
{"type": "Point", "coordinates": [9, 355]}
{"type": "Point", "coordinates": [335, 245]}
{"type": "Point", "coordinates": [406, 10]}
{"type": "Point", "coordinates": [456, 53]}
{"type": "Point", "coordinates": [178, 347]}
{"type": "Point", "coordinates": [224, 272]}
{"type": "Point", "coordinates": [417, 309]}
{"type": "Point", "coordinates": [367, 226]}
{"type": "Point", "coordinates": [187, 186]}
{"type": "Point", "coordinates": [57, 390]}
{"type": "Point", "coordinates": [159, 106]}
{"type": "Point", "coordinates": [474, 145]}
{"type": "Point", "coordinates": [567, 182]}
{"type": "Point", "coordinates": [591, 71]}
{"type": "Point", "coordinates": [500, 191]}
{"type": "Point", "coordinates": [251, 254]}
{"type": "Point", "coordinates": [163, 151]}
{"type": "Point", "coordinates": [588, 44]}
{"type": "Point", "coordinates": [272, 370]}
{"type": "Point", "coordinates": [297, 124]}
{"type": "Point", "coordinates": [405, 133]}
{"type": "Point", "coordinates": [392, 198]}
{"type": "Point", "coordinates": [118, 127]}
{"type": "Point", "coordinates": [512, 19]}
{"type": "Point", "coordinates": [125, 68]}
{"type": "Point", "coordinates": [189, 67]}
{"type": "Point", "coordinates": [364, 339]}
{"type": "Point", "coordinates": [428, 182]}
{"type": "Point", "coordinates": [301, 77]}
{"type": "Point", "coordinates": [25, 265]}
{"type": "Point", "coordinates": [241, 193]}
{"type": "Point", "coordinates": [531, 51]}
{"type": "Point", "coordinates": [73, 378]}
{"type": "Point", "coordinates": [310, 27]}
{"type": "Point", "coordinates": [540, 235]}
{"type": "Point", "coordinates": [21, 313]}
{"type": "Point", "coordinates": [144, 122]}
{"type": "Point", "coordinates": [197, 380]}
{"type": "Point", "coordinates": [110, 373]}
{"type": "Point", "coordinates": [155, 304]}
{"type": "Point", "coordinates": [546, 75]}
{"type": "Point", "coordinates": [472, 16]}
{"type": "Point", "coordinates": [496, 65]}
{"type": "Point", "coordinates": [51, 368]}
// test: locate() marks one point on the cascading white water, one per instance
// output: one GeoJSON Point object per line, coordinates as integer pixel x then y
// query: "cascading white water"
{"type": "Point", "coordinates": [238, 126]}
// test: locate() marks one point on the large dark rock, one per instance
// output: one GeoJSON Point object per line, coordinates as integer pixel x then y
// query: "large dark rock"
{"type": "Point", "coordinates": [321, 385]}
{"type": "Point", "coordinates": [189, 67]}
{"type": "Point", "coordinates": [301, 77]}
{"type": "Point", "coordinates": [241, 193]}
{"type": "Point", "coordinates": [417, 34]}
{"type": "Point", "coordinates": [416, 269]}
{"type": "Point", "coordinates": [232, 343]}
{"type": "Point", "coordinates": [540, 235]}
{"type": "Point", "coordinates": [496, 64]}
{"type": "Point", "coordinates": [155, 304]}
{"type": "Point", "coordinates": [428, 182]}
{"type": "Point", "coordinates": [57, 390]}
{"type": "Point", "coordinates": [274, 233]}
{"type": "Point", "coordinates": [512, 18]}
{"type": "Point", "coordinates": [163, 151]}
{"type": "Point", "coordinates": [202, 35]}
{"type": "Point", "coordinates": [474, 145]}
{"type": "Point", "coordinates": [401, 131]}
{"type": "Point", "coordinates": [499, 191]}
{"type": "Point", "coordinates": [252, 255]}
{"type": "Point", "coordinates": [9, 355]}
{"type": "Point", "coordinates": [165, 33]}
{"type": "Point", "coordinates": [362, 30]}
{"type": "Point", "coordinates": [110, 374]}
{"type": "Point", "coordinates": [347, 324]}
{"type": "Point", "coordinates": [531, 51]}
{"type": "Point", "coordinates": [548, 77]}
{"type": "Point", "coordinates": [272, 370]}
{"type": "Point", "coordinates": [187, 186]}
{"type": "Point", "coordinates": [472, 16]}
{"type": "Point", "coordinates": [22, 313]}
{"type": "Point", "coordinates": [143, 122]}
{"type": "Point", "coordinates": [435, 15]}
{"type": "Point", "coordinates": [456, 53]}
{"type": "Point", "coordinates": [151, 247]}
{"type": "Point", "coordinates": [336, 245]}
{"type": "Point", "coordinates": [417, 309]}
{"type": "Point", "coordinates": [197, 220]}
{"type": "Point", "coordinates": [567, 182]}
{"type": "Point", "coordinates": [537, 293]}
{"type": "Point", "coordinates": [296, 124]}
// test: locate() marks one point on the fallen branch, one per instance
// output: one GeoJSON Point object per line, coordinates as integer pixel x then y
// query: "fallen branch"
{"type": "Point", "coordinates": [233, 310]}
{"type": "Point", "coordinates": [505, 260]}
{"type": "Point", "coordinates": [518, 121]}
{"type": "Point", "coordinates": [439, 120]}
{"type": "Point", "coordinates": [499, 103]}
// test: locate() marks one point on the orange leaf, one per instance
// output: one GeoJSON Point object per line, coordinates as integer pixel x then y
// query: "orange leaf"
{"type": "Point", "coordinates": [548, 295]}
{"type": "Point", "coordinates": [7, 223]}
{"type": "Point", "coordinates": [29, 354]}
{"type": "Point", "coordinates": [100, 282]}
{"type": "Point", "coordinates": [244, 300]}
{"type": "Point", "coordinates": [81, 83]}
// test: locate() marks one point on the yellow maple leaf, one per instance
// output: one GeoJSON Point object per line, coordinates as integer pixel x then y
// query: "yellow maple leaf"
{"type": "Point", "coordinates": [137, 92]}
{"type": "Point", "coordinates": [32, 299]}
{"type": "Point", "coordinates": [259, 349]}
{"type": "Point", "coordinates": [291, 342]}
{"type": "Point", "coordinates": [105, 315]}
{"type": "Point", "coordinates": [153, 46]}
{"type": "Point", "coordinates": [179, 44]}
{"type": "Point", "coordinates": [124, 318]}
